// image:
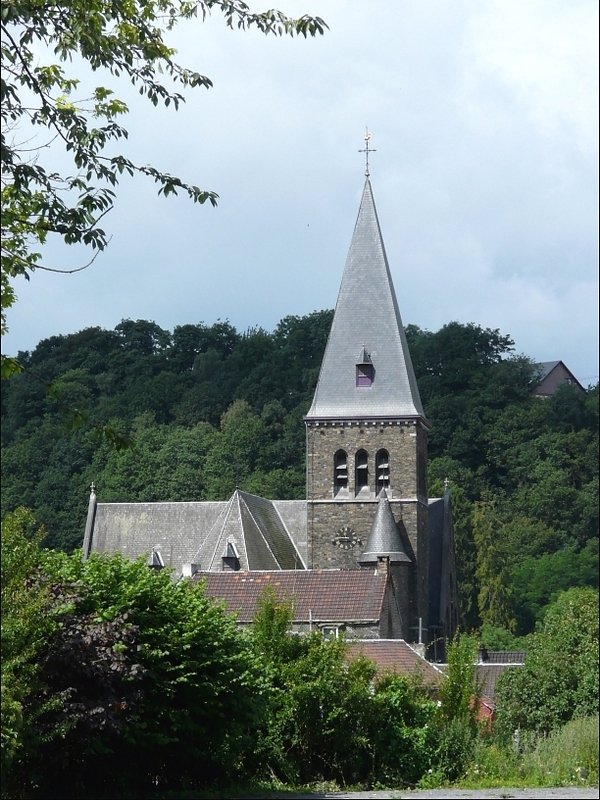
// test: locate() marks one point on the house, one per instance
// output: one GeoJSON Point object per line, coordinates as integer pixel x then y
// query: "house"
{"type": "Point", "coordinates": [357, 603]}
{"type": "Point", "coordinates": [395, 656]}
{"type": "Point", "coordinates": [367, 520]}
{"type": "Point", "coordinates": [490, 665]}
{"type": "Point", "coordinates": [553, 374]}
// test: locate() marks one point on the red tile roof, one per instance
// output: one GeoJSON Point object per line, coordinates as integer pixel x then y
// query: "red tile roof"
{"type": "Point", "coordinates": [316, 595]}
{"type": "Point", "coordinates": [395, 655]}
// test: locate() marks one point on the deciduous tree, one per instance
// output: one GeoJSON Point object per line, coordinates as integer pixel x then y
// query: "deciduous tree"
{"type": "Point", "coordinates": [559, 680]}
{"type": "Point", "coordinates": [38, 96]}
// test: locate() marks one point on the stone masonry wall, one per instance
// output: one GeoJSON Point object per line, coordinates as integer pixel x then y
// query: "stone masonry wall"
{"type": "Point", "coordinates": [329, 513]}
{"type": "Point", "coordinates": [405, 441]}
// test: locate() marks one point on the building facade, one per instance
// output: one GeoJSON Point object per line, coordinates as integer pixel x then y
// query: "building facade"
{"type": "Point", "coordinates": [367, 506]}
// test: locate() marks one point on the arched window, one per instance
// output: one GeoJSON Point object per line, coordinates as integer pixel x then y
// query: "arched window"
{"type": "Point", "coordinates": [382, 468]}
{"type": "Point", "coordinates": [362, 470]}
{"type": "Point", "coordinates": [340, 471]}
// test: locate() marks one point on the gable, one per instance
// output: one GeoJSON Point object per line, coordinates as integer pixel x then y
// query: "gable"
{"type": "Point", "coordinates": [553, 374]}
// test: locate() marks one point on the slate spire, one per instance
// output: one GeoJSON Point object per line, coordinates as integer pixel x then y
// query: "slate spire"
{"type": "Point", "coordinates": [366, 319]}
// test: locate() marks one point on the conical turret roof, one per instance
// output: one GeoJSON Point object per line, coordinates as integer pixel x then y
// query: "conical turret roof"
{"type": "Point", "coordinates": [366, 320]}
{"type": "Point", "coordinates": [385, 538]}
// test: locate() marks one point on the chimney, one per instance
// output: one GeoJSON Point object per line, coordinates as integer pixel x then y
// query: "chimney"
{"type": "Point", "coordinates": [187, 570]}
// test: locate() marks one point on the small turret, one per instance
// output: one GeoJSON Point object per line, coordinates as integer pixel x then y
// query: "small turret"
{"type": "Point", "coordinates": [384, 540]}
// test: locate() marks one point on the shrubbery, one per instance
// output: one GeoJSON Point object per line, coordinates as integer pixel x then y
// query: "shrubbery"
{"type": "Point", "coordinates": [116, 681]}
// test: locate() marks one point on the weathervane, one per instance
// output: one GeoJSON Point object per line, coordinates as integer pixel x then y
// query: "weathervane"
{"type": "Point", "coordinates": [366, 150]}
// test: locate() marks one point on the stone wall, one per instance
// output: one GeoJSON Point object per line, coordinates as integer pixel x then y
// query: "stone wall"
{"type": "Point", "coordinates": [339, 522]}
{"type": "Point", "coordinates": [405, 441]}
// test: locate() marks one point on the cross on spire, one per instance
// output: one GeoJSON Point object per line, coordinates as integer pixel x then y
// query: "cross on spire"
{"type": "Point", "coordinates": [366, 150]}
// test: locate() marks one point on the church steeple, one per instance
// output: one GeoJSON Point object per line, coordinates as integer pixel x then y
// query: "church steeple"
{"type": "Point", "coordinates": [366, 432]}
{"type": "Point", "coordinates": [366, 371]}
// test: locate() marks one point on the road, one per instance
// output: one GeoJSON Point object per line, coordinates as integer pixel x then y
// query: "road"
{"type": "Point", "coordinates": [547, 793]}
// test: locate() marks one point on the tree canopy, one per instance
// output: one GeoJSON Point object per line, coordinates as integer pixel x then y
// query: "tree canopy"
{"type": "Point", "coordinates": [206, 408]}
{"type": "Point", "coordinates": [559, 680]}
{"type": "Point", "coordinates": [47, 48]}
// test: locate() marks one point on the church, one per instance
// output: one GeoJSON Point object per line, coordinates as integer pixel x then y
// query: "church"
{"type": "Point", "coordinates": [367, 553]}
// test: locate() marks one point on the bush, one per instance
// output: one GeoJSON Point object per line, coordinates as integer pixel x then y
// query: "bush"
{"type": "Point", "coordinates": [559, 680]}
{"type": "Point", "coordinates": [144, 682]}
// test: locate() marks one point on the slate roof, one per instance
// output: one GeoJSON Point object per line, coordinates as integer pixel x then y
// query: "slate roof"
{"type": "Point", "coordinates": [546, 368]}
{"type": "Point", "coordinates": [395, 655]}
{"type": "Point", "coordinates": [366, 319]}
{"type": "Point", "coordinates": [173, 529]}
{"type": "Point", "coordinates": [258, 532]}
{"type": "Point", "coordinates": [443, 609]}
{"type": "Point", "coordinates": [316, 595]}
{"type": "Point", "coordinates": [385, 538]}
{"type": "Point", "coordinates": [193, 532]}
{"type": "Point", "coordinates": [486, 677]}
{"type": "Point", "coordinates": [502, 656]}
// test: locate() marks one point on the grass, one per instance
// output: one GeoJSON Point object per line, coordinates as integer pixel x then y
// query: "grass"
{"type": "Point", "coordinates": [566, 758]}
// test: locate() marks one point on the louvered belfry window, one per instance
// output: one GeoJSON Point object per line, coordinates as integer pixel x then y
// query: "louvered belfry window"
{"type": "Point", "coordinates": [340, 470]}
{"type": "Point", "coordinates": [362, 469]}
{"type": "Point", "coordinates": [382, 466]}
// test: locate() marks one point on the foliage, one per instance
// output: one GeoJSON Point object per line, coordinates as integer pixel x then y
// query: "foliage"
{"type": "Point", "coordinates": [148, 680]}
{"type": "Point", "coordinates": [559, 680]}
{"type": "Point", "coordinates": [403, 731]}
{"type": "Point", "coordinates": [125, 38]}
{"type": "Point", "coordinates": [494, 638]}
{"type": "Point", "coordinates": [566, 757]}
{"type": "Point", "coordinates": [491, 572]}
{"type": "Point", "coordinates": [538, 581]}
{"type": "Point", "coordinates": [25, 624]}
{"type": "Point", "coordinates": [457, 712]}
{"type": "Point", "coordinates": [120, 681]}
{"type": "Point", "coordinates": [330, 718]}
{"type": "Point", "coordinates": [207, 407]}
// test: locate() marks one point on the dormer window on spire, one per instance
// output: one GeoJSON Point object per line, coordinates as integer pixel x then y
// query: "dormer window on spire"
{"type": "Point", "coordinates": [365, 371]}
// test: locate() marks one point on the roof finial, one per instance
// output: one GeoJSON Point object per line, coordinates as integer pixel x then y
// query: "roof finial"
{"type": "Point", "coordinates": [93, 488]}
{"type": "Point", "coordinates": [367, 150]}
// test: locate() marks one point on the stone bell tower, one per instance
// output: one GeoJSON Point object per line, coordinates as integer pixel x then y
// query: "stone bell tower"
{"type": "Point", "coordinates": [366, 431]}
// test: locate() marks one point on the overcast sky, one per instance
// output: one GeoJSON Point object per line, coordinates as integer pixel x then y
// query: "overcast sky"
{"type": "Point", "coordinates": [484, 117]}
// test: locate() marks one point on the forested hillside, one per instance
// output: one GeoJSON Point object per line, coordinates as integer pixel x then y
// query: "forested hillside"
{"type": "Point", "coordinates": [148, 414]}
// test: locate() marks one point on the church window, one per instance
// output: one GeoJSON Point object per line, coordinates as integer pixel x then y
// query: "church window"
{"type": "Point", "coordinates": [230, 558]}
{"type": "Point", "coordinates": [340, 471]}
{"type": "Point", "coordinates": [362, 469]}
{"type": "Point", "coordinates": [364, 374]}
{"type": "Point", "coordinates": [365, 371]}
{"type": "Point", "coordinates": [382, 465]}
